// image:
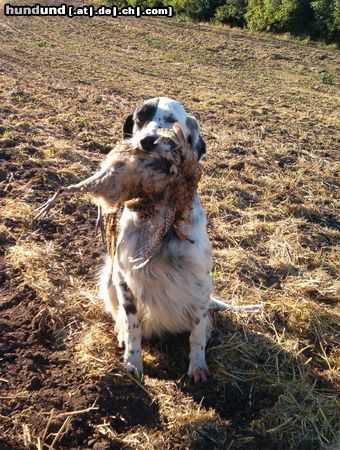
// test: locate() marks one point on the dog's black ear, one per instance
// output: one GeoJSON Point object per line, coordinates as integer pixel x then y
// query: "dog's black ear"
{"type": "Point", "coordinates": [195, 138]}
{"type": "Point", "coordinates": [128, 127]}
{"type": "Point", "coordinates": [201, 147]}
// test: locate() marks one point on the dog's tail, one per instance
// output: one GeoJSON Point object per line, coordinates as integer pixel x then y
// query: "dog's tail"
{"type": "Point", "coordinates": [220, 305]}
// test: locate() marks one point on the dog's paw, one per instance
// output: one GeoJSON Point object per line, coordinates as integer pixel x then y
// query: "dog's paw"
{"type": "Point", "coordinates": [134, 364]}
{"type": "Point", "coordinates": [199, 374]}
{"type": "Point", "coordinates": [199, 371]}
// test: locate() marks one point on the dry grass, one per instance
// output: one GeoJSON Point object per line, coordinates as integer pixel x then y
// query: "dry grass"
{"type": "Point", "coordinates": [271, 191]}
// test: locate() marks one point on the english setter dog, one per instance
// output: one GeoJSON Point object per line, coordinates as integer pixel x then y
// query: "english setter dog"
{"type": "Point", "coordinates": [172, 293]}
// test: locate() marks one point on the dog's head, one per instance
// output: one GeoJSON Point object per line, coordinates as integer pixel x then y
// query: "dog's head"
{"type": "Point", "coordinates": [161, 112]}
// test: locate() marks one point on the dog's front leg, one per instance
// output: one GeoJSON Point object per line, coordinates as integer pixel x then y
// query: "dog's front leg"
{"type": "Point", "coordinates": [132, 330]}
{"type": "Point", "coordinates": [198, 368]}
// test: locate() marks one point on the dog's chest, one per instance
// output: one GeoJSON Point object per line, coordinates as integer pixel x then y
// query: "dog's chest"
{"type": "Point", "coordinates": [176, 284]}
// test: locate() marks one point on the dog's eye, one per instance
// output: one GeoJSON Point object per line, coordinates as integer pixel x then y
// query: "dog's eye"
{"type": "Point", "coordinates": [169, 119]}
{"type": "Point", "coordinates": [145, 113]}
{"type": "Point", "coordinates": [139, 122]}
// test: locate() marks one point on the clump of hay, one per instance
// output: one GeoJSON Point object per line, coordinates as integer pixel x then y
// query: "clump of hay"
{"type": "Point", "coordinates": [38, 266]}
{"type": "Point", "coordinates": [96, 350]}
{"type": "Point", "coordinates": [303, 414]}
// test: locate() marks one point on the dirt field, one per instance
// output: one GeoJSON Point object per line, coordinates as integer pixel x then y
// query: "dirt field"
{"type": "Point", "coordinates": [270, 188]}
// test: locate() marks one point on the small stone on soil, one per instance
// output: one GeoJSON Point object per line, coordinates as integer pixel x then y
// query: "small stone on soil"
{"type": "Point", "coordinates": [4, 348]}
{"type": "Point", "coordinates": [35, 384]}
{"type": "Point", "coordinates": [3, 175]}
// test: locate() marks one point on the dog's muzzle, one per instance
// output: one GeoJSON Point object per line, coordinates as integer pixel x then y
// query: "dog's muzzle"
{"type": "Point", "coordinates": [147, 144]}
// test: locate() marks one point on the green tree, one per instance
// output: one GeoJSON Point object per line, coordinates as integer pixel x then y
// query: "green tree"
{"type": "Point", "coordinates": [326, 19]}
{"type": "Point", "coordinates": [279, 15]}
{"type": "Point", "coordinates": [146, 3]}
{"type": "Point", "coordinates": [232, 12]}
{"type": "Point", "coordinates": [198, 10]}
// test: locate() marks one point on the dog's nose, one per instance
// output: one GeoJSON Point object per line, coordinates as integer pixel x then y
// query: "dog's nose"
{"type": "Point", "coordinates": [148, 143]}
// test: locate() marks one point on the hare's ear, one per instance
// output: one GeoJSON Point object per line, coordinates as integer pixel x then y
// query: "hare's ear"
{"type": "Point", "coordinates": [195, 139]}
{"type": "Point", "coordinates": [128, 127]}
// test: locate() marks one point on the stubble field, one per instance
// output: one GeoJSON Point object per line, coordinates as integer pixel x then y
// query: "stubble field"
{"type": "Point", "coordinates": [270, 188]}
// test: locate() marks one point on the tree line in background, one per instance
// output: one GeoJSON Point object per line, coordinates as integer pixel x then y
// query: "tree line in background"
{"type": "Point", "coordinates": [319, 19]}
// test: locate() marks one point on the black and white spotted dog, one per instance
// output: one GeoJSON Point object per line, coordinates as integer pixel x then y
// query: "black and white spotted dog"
{"type": "Point", "coordinates": [172, 293]}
